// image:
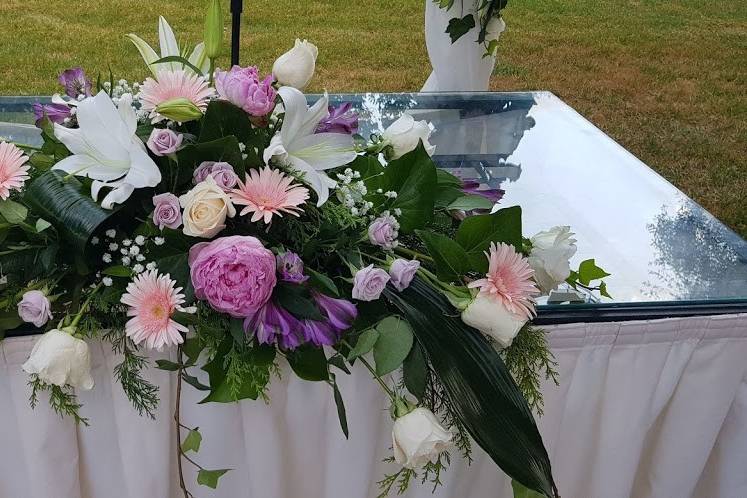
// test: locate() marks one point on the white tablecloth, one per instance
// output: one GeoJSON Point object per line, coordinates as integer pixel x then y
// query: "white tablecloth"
{"type": "Point", "coordinates": [644, 409]}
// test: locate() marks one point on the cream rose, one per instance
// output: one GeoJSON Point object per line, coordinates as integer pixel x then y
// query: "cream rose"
{"type": "Point", "coordinates": [206, 207]}
{"type": "Point", "coordinates": [58, 358]}
{"type": "Point", "coordinates": [550, 257]}
{"type": "Point", "coordinates": [418, 438]}
{"type": "Point", "coordinates": [296, 67]}
{"type": "Point", "coordinates": [490, 317]}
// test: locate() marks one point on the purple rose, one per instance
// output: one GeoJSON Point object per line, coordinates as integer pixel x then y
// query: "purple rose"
{"type": "Point", "coordinates": [290, 267]}
{"type": "Point", "coordinates": [163, 141]}
{"type": "Point", "coordinates": [235, 275]}
{"type": "Point", "coordinates": [57, 113]}
{"type": "Point", "coordinates": [383, 232]}
{"type": "Point", "coordinates": [340, 314]}
{"type": "Point", "coordinates": [472, 187]}
{"type": "Point", "coordinates": [274, 325]}
{"type": "Point", "coordinates": [223, 174]}
{"type": "Point", "coordinates": [75, 82]}
{"type": "Point", "coordinates": [341, 119]}
{"type": "Point", "coordinates": [369, 283]}
{"type": "Point", "coordinates": [402, 272]}
{"type": "Point", "coordinates": [166, 212]}
{"type": "Point", "coordinates": [242, 87]}
{"type": "Point", "coordinates": [35, 308]}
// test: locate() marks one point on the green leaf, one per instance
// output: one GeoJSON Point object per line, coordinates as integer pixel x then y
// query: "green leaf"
{"type": "Point", "coordinates": [415, 372]}
{"type": "Point", "coordinates": [451, 260]}
{"type": "Point", "coordinates": [603, 289]}
{"type": "Point", "coordinates": [194, 382]}
{"type": "Point", "coordinates": [458, 27]}
{"type": "Point", "coordinates": [366, 342]}
{"type": "Point", "coordinates": [13, 212]}
{"type": "Point", "coordinates": [9, 320]}
{"type": "Point", "coordinates": [210, 478]}
{"type": "Point", "coordinates": [521, 492]}
{"type": "Point", "coordinates": [180, 60]}
{"type": "Point", "coordinates": [448, 188]}
{"type": "Point", "coordinates": [67, 207]}
{"type": "Point", "coordinates": [192, 441]}
{"type": "Point", "coordinates": [177, 267]}
{"type": "Point", "coordinates": [322, 282]}
{"type": "Point", "coordinates": [470, 203]}
{"type": "Point", "coordinates": [339, 361]}
{"type": "Point", "coordinates": [309, 363]}
{"type": "Point", "coordinates": [481, 390]}
{"type": "Point", "coordinates": [588, 271]}
{"type": "Point", "coordinates": [339, 403]}
{"type": "Point", "coordinates": [236, 327]}
{"type": "Point", "coordinates": [222, 391]}
{"type": "Point", "coordinates": [371, 170]}
{"type": "Point", "coordinates": [223, 119]}
{"type": "Point", "coordinates": [41, 225]}
{"type": "Point", "coordinates": [393, 345]}
{"type": "Point", "coordinates": [413, 177]}
{"type": "Point", "coordinates": [476, 233]}
{"type": "Point", "coordinates": [192, 348]}
{"type": "Point", "coordinates": [117, 271]}
{"type": "Point", "coordinates": [167, 365]}
{"type": "Point", "coordinates": [295, 299]}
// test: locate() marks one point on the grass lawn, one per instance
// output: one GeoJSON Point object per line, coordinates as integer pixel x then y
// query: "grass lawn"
{"type": "Point", "coordinates": [666, 78]}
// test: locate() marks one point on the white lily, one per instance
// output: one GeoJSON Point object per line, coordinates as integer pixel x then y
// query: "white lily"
{"type": "Point", "coordinates": [106, 149]}
{"type": "Point", "coordinates": [298, 147]}
{"type": "Point", "coordinates": [169, 47]}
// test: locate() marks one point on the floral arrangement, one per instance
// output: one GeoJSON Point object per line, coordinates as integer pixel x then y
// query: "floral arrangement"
{"type": "Point", "coordinates": [486, 14]}
{"type": "Point", "coordinates": [217, 214]}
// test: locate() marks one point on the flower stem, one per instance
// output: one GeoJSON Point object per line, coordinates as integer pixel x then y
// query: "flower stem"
{"type": "Point", "coordinates": [377, 378]}
{"type": "Point", "coordinates": [177, 419]}
{"type": "Point", "coordinates": [415, 254]}
{"type": "Point", "coordinates": [84, 306]}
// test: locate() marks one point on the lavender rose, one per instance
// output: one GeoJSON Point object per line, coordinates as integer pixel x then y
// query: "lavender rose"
{"type": "Point", "coordinates": [369, 283]}
{"type": "Point", "coordinates": [163, 141]}
{"type": "Point", "coordinates": [35, 308]}
{"type": "Point", "coordinates": [402, 271]}
{"type": "Point", "coordinates": [223, 174]}
{"type": "Point", "coordinates": [242, 87]}
{"type": "Point", "coordinates": [290, 267]}
{"type": "Point", "coordinates": [383, 232]}
{"type": "Point", "coordinates": [235, 275]}
{"type": "Point", "coordinates": [166, 213]}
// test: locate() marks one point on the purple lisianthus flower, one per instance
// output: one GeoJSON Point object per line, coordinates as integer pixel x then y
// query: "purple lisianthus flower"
{"type": "Point", "coordinates": [163, 141]}
{"type": "Point", "coordinates": [242, 87]}
{"type": "Point", "coordinates": [340, 314]}
{"type": "Point", "coordinates": [320, 333]}
{"type": "Point", "coordinates": [290, 267]}
{"type": "Point", "coordinates": [402, 272]}
{"type": "Point", "coordinates": [341, 119]}
{"type": "Point", "coordinates": [166, 213]}
{"type": "Point", "coordinates": [472, 187]}
{"type": "Point", "coordinates": [274, 325]}
{"type": "Point", "coordinates": [57, 113]}
{"type": "Point", "coordinates": [223, 174]}
{"type": "Point", "coordinates": [75, 82]}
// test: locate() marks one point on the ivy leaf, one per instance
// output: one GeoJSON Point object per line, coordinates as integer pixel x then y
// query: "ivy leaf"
{"type": "Point", "coordinates": [366, 342]}
{"type": "Point", "coordinates": [309, 363]}
{"type": "Point", "coordinates": [588, 271]}
{"type": "Point", "coordinates": [210, 478]}
{"type": "Point", "coordinates": [194, 382]}
{"type": "Point", "coordinates": [167, 365]}
{"type": "Point", "coordinates": [458, 27]}
{"type": "Point", "coordinates": [522, 492]}
{"type": "Point", "coordinates": [603, 289]}
{"type": "Point", "coordinates": [192, 441]}
{"type": "Point", "coordinates": [339, 361]}
{"type": "Point", "coordinates": [393, 345]}
{"type": "Point", "coordinates": [41, 225]}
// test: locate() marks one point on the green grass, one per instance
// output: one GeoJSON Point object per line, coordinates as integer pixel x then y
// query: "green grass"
{"type": "Point", "coordinates": [667, 79]}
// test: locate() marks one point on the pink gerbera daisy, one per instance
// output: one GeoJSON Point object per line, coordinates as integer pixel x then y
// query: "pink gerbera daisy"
{"type": "Point", "coordinates": [170, 85]}
{"type": "Point", "coordinates": [153, 299]}
{"type": "Point", "coordinates": [268, 192]}
{"type": "Point", "coordinates": [13, 169]}
{"type": "Point", "coordinates": [509, 280]}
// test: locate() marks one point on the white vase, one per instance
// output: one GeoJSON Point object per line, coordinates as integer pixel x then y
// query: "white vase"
{"type": "Point", "coordinates": [457, 67]}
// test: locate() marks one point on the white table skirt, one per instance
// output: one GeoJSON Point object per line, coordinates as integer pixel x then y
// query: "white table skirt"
{"type": "Point", "coordinates": [644, 409]}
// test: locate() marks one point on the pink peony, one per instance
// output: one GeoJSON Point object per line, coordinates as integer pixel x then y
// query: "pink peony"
{"type": "Point", "coordinates": [236, 275]}
{"type": "Point", "coordinates": [242, 87]}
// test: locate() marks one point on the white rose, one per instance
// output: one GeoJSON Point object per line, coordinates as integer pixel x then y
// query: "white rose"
{"type": "Point", "coordinates": [59, 358]}
{"type": "Point", "coordinates": [550, 257]}
{"type": "Point", "coordinates": [495, 27]}
{"type": "Point", "coordinates": [490, 317]}
{"type": "Point", "coordinates": [205, 209]}
{"type": "Point", "coordinates": [296, 67]}
{"type": "Point", "coordinates": [405, 133]}
{"type": "Point", "coordinates": [418, 438]}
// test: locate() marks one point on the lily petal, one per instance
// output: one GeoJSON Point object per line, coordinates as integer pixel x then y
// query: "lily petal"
{"type": "Point", "coordinates": [121, 193]}
{"type": "Point", "coordinates": [169, 46]}
{"type": "Point", "coordinates": [324, 150]}
{"type": "Point", "coordinates": [146, 52]}
{"type": "Point", "coordinates": [317, 180]}
{"type": "Point", "coordinates": [199, 59]}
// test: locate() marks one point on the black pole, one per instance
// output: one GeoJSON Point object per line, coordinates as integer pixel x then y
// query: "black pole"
{"type": "Point", "coordinates": [237, 6]}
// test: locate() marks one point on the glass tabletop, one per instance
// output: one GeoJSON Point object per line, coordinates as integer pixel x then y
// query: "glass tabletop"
{"type": "Point", "coordinates": [661, 247]}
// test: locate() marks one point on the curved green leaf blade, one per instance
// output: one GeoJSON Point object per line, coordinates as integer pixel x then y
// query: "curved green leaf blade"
{"type": "Point", "coordinates": [481, 390]}
{"type": "Point", "coordinates": [62, 203]}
